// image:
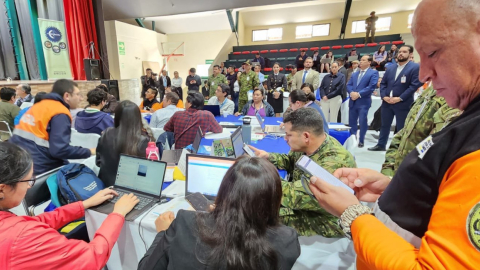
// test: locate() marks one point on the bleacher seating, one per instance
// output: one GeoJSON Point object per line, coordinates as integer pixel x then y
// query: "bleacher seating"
{"type": "Point", "coordinates": [285, 53]}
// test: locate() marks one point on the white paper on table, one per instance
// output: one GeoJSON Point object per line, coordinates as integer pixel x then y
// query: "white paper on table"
{"type": "Point", "coordinates": [224, 135]}
{"type": "Point", "coordinates": [169, 174]}
{"type": "Point", "coordinates": [338, 126]}
{"type": "Point", "coordinates": [173, 205]}
{"type": "Point", "coordinates": [176, 189]}
{"type": "Point", "coordinates": [182, 163]}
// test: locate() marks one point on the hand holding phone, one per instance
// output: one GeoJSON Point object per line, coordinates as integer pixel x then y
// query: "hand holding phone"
{"type": "Point", "coordinates": [248, 150]}
{"type": "Point", "coordinates": [198, 202]}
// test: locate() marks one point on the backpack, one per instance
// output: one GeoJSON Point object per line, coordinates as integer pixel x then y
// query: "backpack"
{"type": "Point", "coordinates": [76, 182]}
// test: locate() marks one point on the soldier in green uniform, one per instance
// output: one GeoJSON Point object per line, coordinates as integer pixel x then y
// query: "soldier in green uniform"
{"type": "Point", "coordinates": [215, 79]}
{"type": "Point", "coordinates": [290, 79]}
{"type": "Point", "coordinates": [305, 136]}
{"type": "Point", "coordinates": [247, 81]}
{"type": "Point", "coordinates": [429, 114]}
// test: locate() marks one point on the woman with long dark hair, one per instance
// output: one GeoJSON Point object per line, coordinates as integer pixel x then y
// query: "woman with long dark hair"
{"type": "Point", "coordinates": [276, 84]}
{"type": "Point", "coordinates": [124, 138]}
{"type": "Point", "coordinates": [242, 231]}
{"type": "Point", "coordinates": [380, 58]}
{"type": "Point", "coordinates": [326, 66]}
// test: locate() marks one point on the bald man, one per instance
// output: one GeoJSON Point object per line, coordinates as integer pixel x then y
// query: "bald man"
{"type": "Point", "coordinates": [428, 215]}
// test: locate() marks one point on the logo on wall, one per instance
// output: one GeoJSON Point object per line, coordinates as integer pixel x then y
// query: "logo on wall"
{"type": "Point", "coordinates": [53, 34]}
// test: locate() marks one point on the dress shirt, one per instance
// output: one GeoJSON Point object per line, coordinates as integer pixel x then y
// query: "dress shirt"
{"type": "Point", "coordinates": [399, 69]}
{"type": "Point", "coordinates": [185, 124]}
{"type": "Point", "coordinates": [161, 117]}
{"type": "Point", "coordinates": [226, 106]}
{"type": "Point", "coordinates": [332, 85]}
{"type": "Point", "coordinates": [261, 77]}
{"type": "Point", "coordinates": [27, 98]}
{"type": "Point", "coordinates": [164, 79]}
{"type": "Point", "coordinates": [177, 82]}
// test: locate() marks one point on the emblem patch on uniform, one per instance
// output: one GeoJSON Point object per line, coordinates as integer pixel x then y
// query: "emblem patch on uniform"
{"type": "Point", "coordinates": [473, 226]}
{"type": "Point", "coordinates": [423, 147]}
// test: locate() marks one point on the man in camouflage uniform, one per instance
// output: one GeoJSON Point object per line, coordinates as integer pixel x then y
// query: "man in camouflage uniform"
{"type": "Point", "coordinates": [215, 79]}
{"type": "Point", "coordinates": [429, 114]}
{"type": "Point", "coordinates": [247, 81]}
{"type": "Point", "coordinates": [290, 79]}
{"type": "Point", "coordinates": [305, 136]}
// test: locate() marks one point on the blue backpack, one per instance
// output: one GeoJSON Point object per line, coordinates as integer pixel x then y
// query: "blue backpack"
{"type": "Point", "coordinates": [76, 182]}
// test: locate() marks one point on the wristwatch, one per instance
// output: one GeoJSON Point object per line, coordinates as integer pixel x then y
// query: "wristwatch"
{"type": "Point", "coordinates": [349, 215]}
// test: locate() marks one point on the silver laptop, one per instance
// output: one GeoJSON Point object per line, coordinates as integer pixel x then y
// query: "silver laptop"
{"type": "Point", "coordinates": [173, 156]}
{"type": "Point", "coordinates": [326, 60]}
{"type": "Point", "coordinates": [140, 176]}
{"type": "Point", "coordinates": [277, 130]}
{"type": "Point", "coordinates": [352, 58]}
{"type": "Point", "coordinates": [237, 142]}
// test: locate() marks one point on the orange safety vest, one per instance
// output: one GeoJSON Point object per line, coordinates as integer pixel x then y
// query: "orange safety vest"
{"type": "Point", "coordinates": [33, 124]}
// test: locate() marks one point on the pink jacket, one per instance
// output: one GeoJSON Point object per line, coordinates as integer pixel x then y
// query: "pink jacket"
{"type": "Point", "coordinates": [34, 243]}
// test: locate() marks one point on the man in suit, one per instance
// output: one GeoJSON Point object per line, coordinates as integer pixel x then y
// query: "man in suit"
{"type": "Point", "coordinates": [307, 75]}
{"type": "Point", "coordinates": [360, 87]}
{"type": "Point", "coordinates": [259, 59]}
{"type": "Point", "coordinates": [301, 59]}
{"type": "Point", "coordinates": [163, 82]}
{"type": "Point", "coordinates": [398, 85]}
{"type": "Point", "coordinates": [344, 71]}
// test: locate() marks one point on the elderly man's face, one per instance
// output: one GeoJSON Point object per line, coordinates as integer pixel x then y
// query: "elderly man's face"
{"type": "Point", "coordinates": [439, 41]}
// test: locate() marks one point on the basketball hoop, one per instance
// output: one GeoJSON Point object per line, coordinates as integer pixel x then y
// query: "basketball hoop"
{"type": "Point", "coordinates": [170, 49]}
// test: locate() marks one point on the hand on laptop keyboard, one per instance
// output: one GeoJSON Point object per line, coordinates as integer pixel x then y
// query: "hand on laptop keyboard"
{"type": "Point", "coordinates": [124, 203]}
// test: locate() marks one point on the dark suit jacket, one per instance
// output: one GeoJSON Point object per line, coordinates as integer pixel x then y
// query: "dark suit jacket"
{"type": "Point", "coordinates": [365, 88]}
{"type": "Point", "coordinates": [160, 82]}
{"type": "Point", "coordinates": [398, 89]}
{"type": "Point", "coordinates": [280, 82]}
{"type": "Point", "coordinates": [180, 247]}
{"type": "Point", "coordinates": [344, 71]}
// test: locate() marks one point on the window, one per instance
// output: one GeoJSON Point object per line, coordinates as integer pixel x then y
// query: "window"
{"type": "Point", "coordinates": [410, 19]}
{"type": "Point", "coordinates": [308, 31]}
{"type": "Point", "coordinates": [383, 24]}
{"type": "Point", "coordinates": [267, 35]}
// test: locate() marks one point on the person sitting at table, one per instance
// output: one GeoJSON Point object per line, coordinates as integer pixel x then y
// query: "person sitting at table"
{"type": "Point", "coordinates": [92, 119]}
{"type": "Point", "coordinates": [298, 99]}
{"type": "Point", "coordinates": [306, 136]}
{"type": "Point", "coordinates": [179, 104]}
{"type": "Point", "coordinates": [34, 242]}
{"type": "Point", "coordinates": [242, 231]}
{"type": "Point", "coordinates": [185, 124]}
{"type": "Point", "coordinates": [257, 104]}
{"type": "Point", "coordinates": [150, 103]}
{"type": "Point", "coordinates": [125, 137]}
{"type": "Point", "coordinates": [161, 117]}
{"type": "Point", "coordinates": [220, 98]}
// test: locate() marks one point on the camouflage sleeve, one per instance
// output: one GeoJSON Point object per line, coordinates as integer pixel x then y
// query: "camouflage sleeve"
{"type": "Point", "coordinates": [294, 197]}
{"type": "Point", "coordinates": [282, 161]}
{"type": "Point", "coordinates": [256, 81]}
{"type": "Point", "coordinates": [225, 80]}
{"type": "Point", "coordinates": [444, 116]}
{"type": "Point", "coordinates": [389, 164]}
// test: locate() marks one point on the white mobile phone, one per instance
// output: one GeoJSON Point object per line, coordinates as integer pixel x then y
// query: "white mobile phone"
{"type": "Point", "coordinates": [311, 168]}
{"type": "Point", "coordinates": [248, 150]}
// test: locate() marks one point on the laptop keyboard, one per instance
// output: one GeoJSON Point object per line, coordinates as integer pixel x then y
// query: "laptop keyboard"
{"type": "Point", "coordinates": [142, 200]}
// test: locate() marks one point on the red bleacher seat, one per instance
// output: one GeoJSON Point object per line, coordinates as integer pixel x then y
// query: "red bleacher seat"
{"type": "Point", "coordinates": [236, 70]}
{"type": "Point", "coordinates": [348, 46]}
{"type": "Point", "coordinates": [398, 42]}
{"type": "Point", "coordinates": [337, 47]}
{"type": "Point", "coordinates": [246, 52]}
{"type": "Point", "coordinates": [267, 69]}
{"type": "Point", "coordinates": [288, 69]}
{"type": "Point", "coordinates": [360, 46]}
{"type": "Point", "coordinates": [282, 50]}
{"type": "Point", "coordinates": [293, 50]}
{"type": "Point", "coordinates": [372, 44]}
{"type": "Point", "coordinates": [264, 51]}
{"type": "Point", "coordinates": [273, 51]}
{"type": "Point", "coordinates": [255, 52]}
{"type": "Point", "coordinates": [325, 48]}
{"type": "Point", "coordinates": [303, 49]}
{"type": "Point", "coordinates": [237, 53]}
{"type": "Point", "coordinates": [384, 43]}
{"type": "Point", "coordinates": [281, 69]}
{"type": "Point", "coordinates": [314, 49]}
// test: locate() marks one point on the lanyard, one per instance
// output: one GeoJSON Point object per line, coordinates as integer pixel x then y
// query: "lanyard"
{"type": "Point", "coordinates": [223, 103]}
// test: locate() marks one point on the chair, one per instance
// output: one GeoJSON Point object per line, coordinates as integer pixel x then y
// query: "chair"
{"type": "Point", "coordinates": [348, 46]}
{"type": "Point", "coordinates": [303, 49]}
{"type": "Point", "coordinates": [268, 69]}
{"type": "Point", "coordinates": [86, 140]}
{"type": "Point", "coordinates": [264, 51]}
{"type": "Point", "coordinates": [314, 49]}
{"type": "Point", "coordinates": [336, 47]}
{"type": "Point", "coordinates": [274, 51]}
{"type": "Point", "coordinates": [372, 44]}
{"type": "Point", "coordinates": [281, 59]}
{"type": "Point", "coordinates": [92, 164]}
{"type": "Point", "coordinates": [237, 53]}
{"type": "Point", "coordinates": [246, 52]}
{"type": "Point", "coordinates": [5, 128]}
{"type": "Point", "coordinates": [291, 58]}
{"type": "Point", "coordinates": [350, 144]}
{"type": "Point", "coordinates": [157, 132]}
{"type": "Point", "coordinates": [255, 52]}
{"type": "Point", "coordinates": [283, 50]}
{"type": "Point", "coordinates": [292, 50]}
{"type": "Point", "coordinates": [242, 60]}
{"type": "Point", "coordinates": [384, 43]}
{"type": "Point", "coordinates": [39, 193]}
{"type": "Point", "coordinates": [325, 48]}
{"type": "Point", "coordinates": [360, 46]}
{"type": "Point", "coordinates": [398, 42]}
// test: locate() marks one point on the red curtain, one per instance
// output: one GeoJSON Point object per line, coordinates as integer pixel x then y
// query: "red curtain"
{"type": "Point", "coordinates": [81, 30]}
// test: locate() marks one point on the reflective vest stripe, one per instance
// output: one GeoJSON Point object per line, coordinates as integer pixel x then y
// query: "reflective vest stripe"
{"type": "Point", "coordinates": [31, 137]}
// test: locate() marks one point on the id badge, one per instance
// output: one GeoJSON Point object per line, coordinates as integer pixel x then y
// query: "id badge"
{"type": "Point", "coordinates": [404, 79]}
{"type": "Point", "coordinates": [248, 78]}
{"type": "Point", "coordinates": [213, 83]}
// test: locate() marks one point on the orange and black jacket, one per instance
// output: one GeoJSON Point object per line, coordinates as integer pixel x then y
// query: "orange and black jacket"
{"type": "Point", "coordinates": [429, 215]}
{"type": "Point", "coordinates": [44, 131]}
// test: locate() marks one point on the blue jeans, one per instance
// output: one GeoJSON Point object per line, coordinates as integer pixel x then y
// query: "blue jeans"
{"type": "Point", "coordinates": [235, 100]}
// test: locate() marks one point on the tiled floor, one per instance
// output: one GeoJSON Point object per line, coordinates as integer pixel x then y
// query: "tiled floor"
{"type": "Point", "coordinates": [371, 159]}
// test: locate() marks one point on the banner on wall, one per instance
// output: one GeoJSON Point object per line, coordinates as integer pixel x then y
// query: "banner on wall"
{"type": "Point", "coordinates": [55, 49]}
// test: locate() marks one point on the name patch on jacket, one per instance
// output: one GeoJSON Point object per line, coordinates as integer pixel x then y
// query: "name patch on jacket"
{"type": "Point", "coordinates": [473, 226]}
{"type": "Point", "coordinates": [423, 147]}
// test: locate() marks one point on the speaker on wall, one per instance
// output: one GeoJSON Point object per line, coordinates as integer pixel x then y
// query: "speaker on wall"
{"type": "Point", "coordinates": [92, 69]}
{"type": "Point", "coordinates": [112, 86]}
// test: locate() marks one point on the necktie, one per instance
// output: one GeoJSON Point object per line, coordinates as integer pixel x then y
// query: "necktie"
{"type": "Point", "coordinates": [165, 81]}
{"type": "Point", "coordinates": [360, 77]}
{"type": "Point", "coordinates": [304, 75]}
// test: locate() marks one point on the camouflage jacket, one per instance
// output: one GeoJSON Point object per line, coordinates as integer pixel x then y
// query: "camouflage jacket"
{"type": "Point", "coordinates": [247, 81]}
{"type": "Point", "coordinates": [213, 83]}
{"type": "Point", "coordinates": [429, 114]}
{"type": "Point", "coordinates": [289, 82]}
{"type": "Point", "coordinates": [299, 210]}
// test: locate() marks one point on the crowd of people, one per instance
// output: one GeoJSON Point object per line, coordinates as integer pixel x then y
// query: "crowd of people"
{"type": "Point", "coordinates": [427, 205]}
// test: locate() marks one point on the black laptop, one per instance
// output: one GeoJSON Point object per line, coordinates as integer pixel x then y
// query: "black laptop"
{"type": "Point", "coordinates": [214, 109]}
{"type": "Point", "coordinates": [140, 176]}
{"type": "Point", "coordinates": [173, 156]}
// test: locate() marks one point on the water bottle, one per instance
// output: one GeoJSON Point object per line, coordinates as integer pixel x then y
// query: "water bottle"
{"type": "Point", "coordinates": [152, 151]}
{"type": "Point", "coordinates": [246, 131]}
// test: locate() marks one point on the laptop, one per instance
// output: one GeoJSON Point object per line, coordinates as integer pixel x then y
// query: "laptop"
{"type": "Point", "coordinates": [214, 109]}
{"type": "Point", "coordinates": [326, 60]}
{"type": "Point", "coordinates": [237, 142]}
{"type": "Point", "coordinates": [204, 174]}
{"type": "Point", "coordinates": [140, 176]}
{"type": "Point", "coordinates": [352, 58]}
{"type": "Point", "coordinates": [277, 130]}
{"type": "Point", "coordinates": [173, 156]}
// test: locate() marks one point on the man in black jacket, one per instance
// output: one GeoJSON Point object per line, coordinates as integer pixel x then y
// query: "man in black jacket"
{"type": "Point", "coordinates": [193, 81]}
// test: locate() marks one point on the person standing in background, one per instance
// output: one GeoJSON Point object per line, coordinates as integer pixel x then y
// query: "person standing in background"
{"type": "Point", "coordinates": [147, 81]}
{"type": "Point", "coordinates": [370, 26]}
{"type": "Point", "coordinates": [275, 97]}
{"type": "Point", "coordinates": [231, 79]}
{"type": "Point", "coordinates": [163, 83]}
{"type": "Point", "coordinates": [248, 81]}
{"type": "Point", "coordinates": [261, 77]}
{"type": "Point", "coordinates": [331, 93]}
{"type": "Point", "coordinates": [236, 91]}
{"type": "Point", "coordinates": [307, 75]}
{"type": "Point", "coordinates": [193, 81]}
{"type": "Point", "coordinates": [223, 69]}
{"type": "Point", "coordinates": [176, 81]}
{"type": "Point", "coordinates": [215, 79]}
{"type": "Point", "coordinates": [205, 89]}
{"type": "Point", "coordinates": [290, 79]}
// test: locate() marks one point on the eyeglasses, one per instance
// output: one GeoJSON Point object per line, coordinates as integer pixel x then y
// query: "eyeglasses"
{"type": "Point", "coordinates": [31, 182]}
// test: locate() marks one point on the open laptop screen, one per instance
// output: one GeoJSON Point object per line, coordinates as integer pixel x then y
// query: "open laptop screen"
{"type": "Point", "coordinates": [237, 142]}
{"type": "Point", "coordinates": [141, 174]}
{"type": "Point", "coordinates": [260, 121]}
{"type": "Point", "coordinates": [197, 140]}
{"type": "Point", "coordinates": [205, 174]}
